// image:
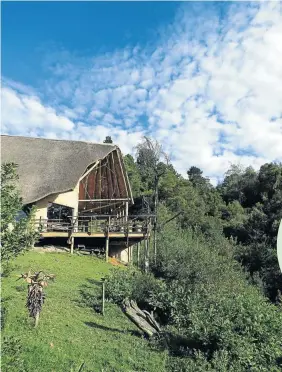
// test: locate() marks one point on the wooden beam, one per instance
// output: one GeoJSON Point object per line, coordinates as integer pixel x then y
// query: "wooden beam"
{"type": "Point", "coordinates": [89, 170]}
{"type": "Point", "coordinates": [122, 173]}
{"type": "Point", "coordinates": [100, 207]}
{"type": "Point", "coordinates": [99, 192]}
{"type": "Point", "coordinates": [119, 177]}
{"type": "Point", "coordinates": [104, 192]}
{"type": "Point", "coordinates": [127, 182]}
{"type": "Point", "coordinates": [109, 178]}
{"type": "Point", "coordinates": [101, 200]}
{"type": "Point", "coordinates": [116, 192]}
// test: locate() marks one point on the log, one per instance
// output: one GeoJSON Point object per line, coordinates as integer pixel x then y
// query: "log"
{"type": "Point", "coordinates": [142, 319]}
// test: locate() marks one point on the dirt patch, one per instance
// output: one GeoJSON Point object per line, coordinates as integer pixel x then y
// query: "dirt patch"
{"type": "Point", "coordinates": [115, 262]}
{"type": "Point", "coordinates": [51, 248]}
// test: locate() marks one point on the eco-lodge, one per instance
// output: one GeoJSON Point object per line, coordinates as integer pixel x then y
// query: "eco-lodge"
{"type": "Point", "coordinates": [81, 192]}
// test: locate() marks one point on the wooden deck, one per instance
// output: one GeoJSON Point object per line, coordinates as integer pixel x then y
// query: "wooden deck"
{"type": "Point", "coordinates": [62, 234]}
{"type": "Point", "coordinates": [135, 227]}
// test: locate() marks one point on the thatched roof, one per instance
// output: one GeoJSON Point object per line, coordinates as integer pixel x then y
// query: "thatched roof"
{"type": "Point", "coordinates": [47, 166]}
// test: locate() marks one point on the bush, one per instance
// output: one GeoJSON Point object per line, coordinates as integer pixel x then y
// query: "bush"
{"type": "Point", "coordinates": [149, 292]}
{"type": "Point", "coordinates": [218, 322]}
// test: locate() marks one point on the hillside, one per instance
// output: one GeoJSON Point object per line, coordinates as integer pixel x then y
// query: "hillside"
{"type": "Point", "coordinates": [70, 331]}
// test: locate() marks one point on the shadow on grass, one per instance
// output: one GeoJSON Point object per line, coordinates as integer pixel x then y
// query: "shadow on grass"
{"type": "Point", "coordinates": [91, 295]}
{"type": "Point", "coordinates": [104, 328]}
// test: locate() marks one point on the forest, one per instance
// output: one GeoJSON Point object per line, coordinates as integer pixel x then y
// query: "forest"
{"type": "Point", "coordinates": [214, 282]}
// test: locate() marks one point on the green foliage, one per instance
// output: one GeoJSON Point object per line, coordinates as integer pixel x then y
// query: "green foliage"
{"type": "Point", "coordinates": [108, 139]}
{"type": "Point", "coordinates": [212, 317]}
{"type": "Point", "coordinates": [17, 232]}
{"type": "Point", "coordinates": [11, 355]}
{"type": "Point", "coordinates": [216, 315]}
{"type": "Point", "coordinates": [133, 174]}
{"type": "Point", "coordinates": [252, 215]}
{"type": "Point", "coordinates": [149, 292]}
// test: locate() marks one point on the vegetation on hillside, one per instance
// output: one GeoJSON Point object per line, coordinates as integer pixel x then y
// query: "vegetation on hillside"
{"type": "Point", "coordinates": [216, 272]}
{"type": "Point", "coordinates": [245, 207]}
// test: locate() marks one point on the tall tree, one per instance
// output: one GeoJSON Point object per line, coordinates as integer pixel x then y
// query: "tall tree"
{"type": "Point", "coordinates": [108, 139]}
{"type": "Point", "coordinates": [17, 230]}
{"type": "Point", "coordinates": [149, 161]}
{"type": "Point", "coordinates": [134, 175]}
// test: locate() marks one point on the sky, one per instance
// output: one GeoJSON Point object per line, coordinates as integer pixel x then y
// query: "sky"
{"type": "Point", "coordinates": [202, 78]}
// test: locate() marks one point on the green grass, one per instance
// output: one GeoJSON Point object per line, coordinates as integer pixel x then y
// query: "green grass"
{"type": "Point", "coordinates": [70, 331]}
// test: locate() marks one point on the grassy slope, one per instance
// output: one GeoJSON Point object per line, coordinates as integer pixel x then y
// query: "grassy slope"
{"type": "Point", "coordinates": [69, 331]}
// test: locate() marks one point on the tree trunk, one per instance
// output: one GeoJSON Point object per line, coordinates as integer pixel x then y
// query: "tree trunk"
{"type": "Point", "coordinates": [142, 319]}
{"type": "Point", "coordinates": [156, 218]}
{"type": "Point", "coordinates": [36, 319]}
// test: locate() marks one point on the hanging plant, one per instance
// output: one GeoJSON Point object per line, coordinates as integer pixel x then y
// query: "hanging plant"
{"type": "Point", "coordinates": [35, 295]}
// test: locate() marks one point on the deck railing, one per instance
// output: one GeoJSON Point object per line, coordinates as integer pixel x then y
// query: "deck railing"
{"type": "Point", "coordinates": [97, 224]}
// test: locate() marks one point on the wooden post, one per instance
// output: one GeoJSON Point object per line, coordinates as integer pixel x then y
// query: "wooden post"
{"type": "Point", "coordinates": [107, 241]}
{"type": "Point", "coordinates": [146, 252]}
{"type": "Point", "coordinates": [138, 253]}
{"type": "Point", "coordinates": [126, 211]}
{"type": "Point", "coordinates": [107, 248]}
{"type": "Point", "coordinates": [72, 245]}
{"type": "Point", "coordinates": [103, 296]}
{"type": "Point", "coordinates": [130, 254]}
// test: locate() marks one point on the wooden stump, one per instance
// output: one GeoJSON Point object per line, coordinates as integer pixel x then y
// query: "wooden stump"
{"type": "Point", "coordinates": [142, 319]}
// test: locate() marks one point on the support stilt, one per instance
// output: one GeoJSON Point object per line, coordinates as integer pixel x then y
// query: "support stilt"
{"type": "Point", "coordinates": [138, 253]}
{"type": "Point", "coordinates": [146, 252]}
{"type": "Point", "coordinates": [107, 248]}
{"type": "Point", "coordinates": [107, 241]}
{"type": "Point", "coordinates": [72, 245]}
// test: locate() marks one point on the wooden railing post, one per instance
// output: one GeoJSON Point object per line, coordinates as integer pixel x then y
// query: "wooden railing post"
{"type": "Point", "coordinates": [107, 240]}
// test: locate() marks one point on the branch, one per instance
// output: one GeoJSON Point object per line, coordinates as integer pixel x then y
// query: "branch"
{"type": "Point", "coordinates": [172, 218]}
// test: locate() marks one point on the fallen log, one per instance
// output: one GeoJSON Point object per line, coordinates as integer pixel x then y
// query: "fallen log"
{"type": "Point", "coordinates": [142, 319]}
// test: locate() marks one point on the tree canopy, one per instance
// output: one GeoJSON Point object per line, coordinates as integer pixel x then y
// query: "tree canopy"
{"type": "Point", "coordinates": [17, 231]}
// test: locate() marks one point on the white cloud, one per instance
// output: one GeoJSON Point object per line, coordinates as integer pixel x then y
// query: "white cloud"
{"type": "Point", "coordinates": [210, 77]}
{"type": "Point", "coordinates": [24, 114]}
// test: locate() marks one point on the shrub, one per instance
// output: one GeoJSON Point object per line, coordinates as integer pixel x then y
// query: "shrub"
{"type": "Point", "coordinates": [149, 292]}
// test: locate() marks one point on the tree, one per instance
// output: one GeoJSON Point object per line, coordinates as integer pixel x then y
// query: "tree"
{"type": "Point", "coordinates": [197, 180]}
{"type": "Point", "coordinates": [149, 156]}
{"type": "Point", "coordinates": [133, 175]}
{"type": "Point", "coordinates": [17, 230]}
{"type": "Point", "coordinates": [35, 296]}
{"type": "Point", "coordinates": [242, 185]}
{"type": "Point", "coordinates": [108, 139]}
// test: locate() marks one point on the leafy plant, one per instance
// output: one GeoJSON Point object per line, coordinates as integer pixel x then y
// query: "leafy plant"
{"type": "Point", "coordinates": [36, 296]}
{"type": "Point", "coordinates": [17, 230]}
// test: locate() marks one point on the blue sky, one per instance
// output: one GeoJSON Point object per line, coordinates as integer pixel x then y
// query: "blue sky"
{"type": "Point", "coordinates": [31, 29]}
{"type": "Point", "coordinates": [204, 79]}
